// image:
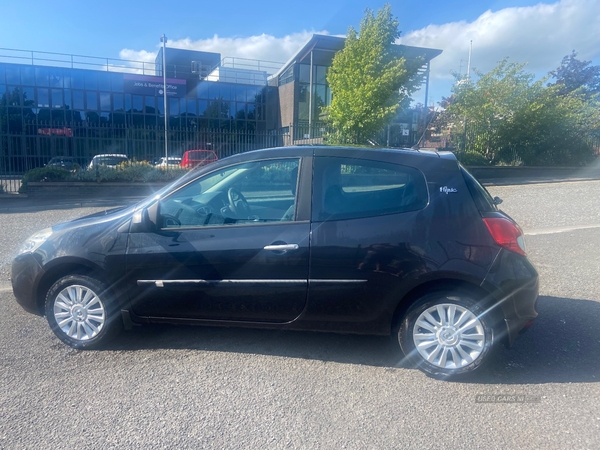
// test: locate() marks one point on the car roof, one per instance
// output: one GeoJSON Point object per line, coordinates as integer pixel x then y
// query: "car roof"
{"type": "Point", "coordinates": [111, 155]}
{"type": "Point", "coordinates": [346, 151]}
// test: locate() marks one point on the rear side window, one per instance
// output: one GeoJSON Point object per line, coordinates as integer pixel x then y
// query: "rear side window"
{"type": "Point", "coordinates": [347, 188]}
{"type": "Point", "coordinates": [482, 198]}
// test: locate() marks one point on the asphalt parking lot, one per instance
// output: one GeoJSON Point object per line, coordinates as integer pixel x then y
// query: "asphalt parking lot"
{"type": "Point", "coordinates": [184, 387]}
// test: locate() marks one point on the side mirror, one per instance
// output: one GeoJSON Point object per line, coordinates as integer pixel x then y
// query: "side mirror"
{"type": "Point", "coordinates": [145, 220]}
{"type": "Point", "coordinates": [497, 200]}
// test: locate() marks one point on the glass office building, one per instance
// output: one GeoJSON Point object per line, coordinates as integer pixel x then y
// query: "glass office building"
{"type": "Point", "coordinates": [47, 111]}
{"type": "Point", "coordinates": [63, 105]}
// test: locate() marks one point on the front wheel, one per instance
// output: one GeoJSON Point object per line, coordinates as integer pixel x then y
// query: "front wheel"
{"type": "Point", "coordinates": [446, 335]}
{"type": "Point", "coordinates": [81, 311]}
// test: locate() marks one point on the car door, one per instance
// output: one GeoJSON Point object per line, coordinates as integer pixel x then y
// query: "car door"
{"type": "Point", "coordinates": [226, 248]}
{"type": "Point", "coordinates": [366, 240]}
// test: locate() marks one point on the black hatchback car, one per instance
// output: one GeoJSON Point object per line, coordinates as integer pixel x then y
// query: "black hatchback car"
{"type": "Point", "coordinates": [351, 240]}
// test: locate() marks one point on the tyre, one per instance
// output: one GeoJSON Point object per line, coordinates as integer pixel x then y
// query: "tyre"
{"type": "Point", "coordinates": [82, 312]}
{"type": "Point", "coordinates": [446, 334]}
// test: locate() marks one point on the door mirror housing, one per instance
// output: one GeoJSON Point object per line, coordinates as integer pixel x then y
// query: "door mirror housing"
{"type": "Point", "coordinates": [145, 220]}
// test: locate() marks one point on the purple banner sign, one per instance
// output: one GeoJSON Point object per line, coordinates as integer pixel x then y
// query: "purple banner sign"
{"type": "Point", "coordinates": [147, 85]}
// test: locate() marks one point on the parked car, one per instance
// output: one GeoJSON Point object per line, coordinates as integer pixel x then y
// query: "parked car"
{"type": "Point", "coordinates": [195, 158]}
{"type": "Point", "coordinates": [174, 162]}
{"type": "Point", "coordinates": [66, 162]}
{"type": "Point", "coordinates": [398, 242]}
{"type": "Point", "coordinates": [109, 160]}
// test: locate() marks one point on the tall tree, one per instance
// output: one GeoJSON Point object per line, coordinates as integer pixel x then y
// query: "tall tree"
{"type": "Point", "coordinates": [574, 74]}
{"type": "Point", "coordinates": [506, 116]}
{"type": "Point", "coordinates": [368, 79]}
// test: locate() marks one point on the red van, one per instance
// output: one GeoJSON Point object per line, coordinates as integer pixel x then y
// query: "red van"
{"type": "Point", "coordinates": [194, 158]}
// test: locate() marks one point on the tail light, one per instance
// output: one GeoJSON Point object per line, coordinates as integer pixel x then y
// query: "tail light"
{"type": "Point", "coordinates": [506, 233]}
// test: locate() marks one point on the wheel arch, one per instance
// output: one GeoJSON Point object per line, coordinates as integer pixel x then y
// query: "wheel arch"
{"type": "Point", "coordinates": [450, 285]}
{"type": "Point", "coordinates": [62, 268]}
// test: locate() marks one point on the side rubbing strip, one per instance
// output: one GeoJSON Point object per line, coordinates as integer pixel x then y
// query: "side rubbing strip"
{"type": "Point", "coordinates": [164, 283]}
{"type": "Point", "coordinates": [320, 281]}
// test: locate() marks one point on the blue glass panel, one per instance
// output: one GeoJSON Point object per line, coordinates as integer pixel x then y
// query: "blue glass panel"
{"type": "Point", "coordinates": [13, 75]}
{"type": "Point", "coordinates": [304, 75]}
{"type": "Point", "coordinates": [67, 75]}
{"type": "Point", "coordinates": [91, 79]}
{"type": "Point", "coordinates": [55, 77]}
{"type": "Point", "coordinates": [28, 75]}
{"type": "Point", "coordinates": [77, 79]}
{"type": "Point", "coordinates": [191, 106]}
{"type": "Point", "coordinates": [116, 82]}
{"type": "Point", "coordinates": [202, 105]}
{"type": "Point", "coordinates": [2, 89]}
{"type": "Point", "coordinates": [67, 98]}
{"type": "Point", "coordinates": [43, 98]}
{"type": "Point", "coordinates": [128, 102]}
{"type": "Point", "coordinates": [251, 92]}
{"type": "Point", "coordinates": [104, 101]}
{"type": "Point", "coordinates": [240, 112]}
{"type": "Point", "coordinates": [2, 74]}
{"type": "Point", "coordinates": [41, 76]}
{"type": "Point", "coordinates": [138, 103]}
{"type": "Point", "coordinates": [91, 99]}
{"type": "Point", "coordinates": [321, 75]}
{"type": "Point", "coordinates": [28, 97]}
{"type": "Point", "coordinates": [213, 90]}
{"type": "Point", "coordinates": [251, 111]}
{"type": "Point", "coordinates": [240, 93]}
{"type": "Point", "coordinates": [173, 107]}
{"type": "Point", "coordinates": [226, 92]}
{"type": "Point", "coordinates": [118, 102]}
{"type": "Point", "coordinates": [78, 100]}
{"type": "Point", "coordinates": [150, 102]}
{"type": "Point", "coordinates": [57, 98]}
{"type": "Point", "coordinates": [104, 81]}
{"type": "Point", "coordinates": [202, 91]}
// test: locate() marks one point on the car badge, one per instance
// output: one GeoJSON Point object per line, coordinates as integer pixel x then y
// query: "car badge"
{"type": "Point", "coordinates": [447, 190]}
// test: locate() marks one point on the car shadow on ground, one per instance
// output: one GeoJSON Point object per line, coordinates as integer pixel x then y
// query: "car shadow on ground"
{"type": "Point", "coordinates": [563, 346]}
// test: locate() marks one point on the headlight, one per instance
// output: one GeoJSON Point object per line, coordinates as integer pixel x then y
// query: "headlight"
{"type": "Point", "coordinates": [32, 244]}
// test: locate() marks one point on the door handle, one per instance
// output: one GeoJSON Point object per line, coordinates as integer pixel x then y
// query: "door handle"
{"type": "Point", "coordinates": [281, 247]}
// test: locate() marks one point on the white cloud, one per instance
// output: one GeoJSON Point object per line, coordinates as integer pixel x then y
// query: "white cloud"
{"type": "Point", "coordinates": [538, 35]}
{"type": "Point", "coordinates": [264, 47]}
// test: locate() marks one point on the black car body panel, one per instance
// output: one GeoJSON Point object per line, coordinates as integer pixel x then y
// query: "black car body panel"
{"type": "Point", "coordinates": [346, 274]}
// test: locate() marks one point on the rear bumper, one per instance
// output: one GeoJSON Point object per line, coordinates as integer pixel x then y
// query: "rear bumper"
{"type": "Point", "coordinates": [515, 284]}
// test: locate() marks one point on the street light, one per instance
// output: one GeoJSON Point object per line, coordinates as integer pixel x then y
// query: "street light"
{"type": "Point", "coordinates": [163, 39]}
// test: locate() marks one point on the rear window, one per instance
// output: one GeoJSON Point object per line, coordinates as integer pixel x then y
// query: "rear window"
{"type": "Point", "coordinates": [482, 198]}
{"type": "Point", "coordinates": [347, 188]}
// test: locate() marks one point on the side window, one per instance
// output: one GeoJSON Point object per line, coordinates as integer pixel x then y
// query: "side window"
{"type": "Point", "coordinates": [347, 188]}
{"type": "Point", "coordinates": [249, 193]}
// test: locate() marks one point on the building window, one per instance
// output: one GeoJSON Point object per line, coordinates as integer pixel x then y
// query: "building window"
{"type": "Point", "coordinates": [287, 75]}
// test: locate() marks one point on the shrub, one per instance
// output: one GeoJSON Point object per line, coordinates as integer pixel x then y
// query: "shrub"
{"type": "Point", "coordinates": [130, 171]}
{"type": "Point", "coordinates": [472, 159]}
{"type": "Point", "coordinates": [48, 173]}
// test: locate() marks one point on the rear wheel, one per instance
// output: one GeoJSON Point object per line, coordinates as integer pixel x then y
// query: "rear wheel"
{"type": "Point", "coordinates": [82, 312]}
{"type": "Point", "coordinates": [446, 334]}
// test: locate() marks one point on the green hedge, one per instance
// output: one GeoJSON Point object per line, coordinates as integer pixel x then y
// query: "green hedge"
{"type": "Point", "coordinates": [131, 171]}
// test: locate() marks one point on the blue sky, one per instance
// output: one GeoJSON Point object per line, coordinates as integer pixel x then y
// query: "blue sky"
{"type": "Point", "coordinates": [535, 32]}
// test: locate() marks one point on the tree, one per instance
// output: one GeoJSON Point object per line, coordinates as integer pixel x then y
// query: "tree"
{"type": "Point", "coordinates": [574, 74]}
{"type": "Point", "coordinates": [368, 80]}
{"type": "Point", "coordinates": [508, 117]}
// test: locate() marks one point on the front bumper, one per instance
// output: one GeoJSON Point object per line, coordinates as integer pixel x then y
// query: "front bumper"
{"type": "Point", "coordinates": [25, 275]}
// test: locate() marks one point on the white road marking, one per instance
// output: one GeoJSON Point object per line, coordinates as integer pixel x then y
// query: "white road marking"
{"type": "Point", "coordinates": [560, 229]}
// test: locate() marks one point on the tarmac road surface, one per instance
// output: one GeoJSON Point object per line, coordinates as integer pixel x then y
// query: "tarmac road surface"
{"type": "Point", "coordinates": [185, 387]}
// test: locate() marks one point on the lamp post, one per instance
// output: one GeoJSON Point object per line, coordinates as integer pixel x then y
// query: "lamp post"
{"type": "Point", "coordinates": [163, 39]}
